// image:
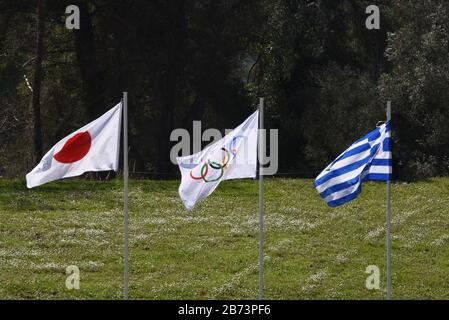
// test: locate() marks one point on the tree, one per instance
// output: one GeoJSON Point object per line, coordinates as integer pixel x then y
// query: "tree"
{"type": "Point", "coordinates": [37, 81]}
{"type": "Point", "coordinates": [325, 77]}
{"type": "Point", "coordinates": [418, 86]}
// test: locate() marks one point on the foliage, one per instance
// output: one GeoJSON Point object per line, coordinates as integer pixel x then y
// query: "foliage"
{"type": "Point", "coordinates": [418, 86]}
{"type": "Point", "coordinates": [326, 78]}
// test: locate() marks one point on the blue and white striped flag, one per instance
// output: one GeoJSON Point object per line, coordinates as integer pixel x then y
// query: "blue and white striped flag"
{"type": "Point", "coordinates": [369, 158]}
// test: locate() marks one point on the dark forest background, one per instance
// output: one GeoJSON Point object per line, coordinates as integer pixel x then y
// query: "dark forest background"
{"type": "Point", "coordinates": [325, 77]}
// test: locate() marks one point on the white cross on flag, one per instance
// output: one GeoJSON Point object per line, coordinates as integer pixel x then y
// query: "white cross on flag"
{"type": "Point", "coordinates": [94, 147]}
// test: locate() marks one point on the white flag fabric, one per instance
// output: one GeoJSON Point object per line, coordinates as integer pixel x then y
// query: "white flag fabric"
{"type": "Point", "coordinates": [94, 147]}
{"type": "Point", "coordinates": [232, 157]}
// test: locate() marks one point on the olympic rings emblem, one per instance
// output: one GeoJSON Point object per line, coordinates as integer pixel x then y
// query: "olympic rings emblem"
{"type": "Point", "coordinates": [215, 165]}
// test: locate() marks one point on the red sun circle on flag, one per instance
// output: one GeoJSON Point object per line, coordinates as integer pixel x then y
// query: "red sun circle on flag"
{"type": "Point", "coordinates": [75, 148]}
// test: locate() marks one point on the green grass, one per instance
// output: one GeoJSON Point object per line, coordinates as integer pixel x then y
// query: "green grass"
{"type": "Point", "coordinates": [311, 251]}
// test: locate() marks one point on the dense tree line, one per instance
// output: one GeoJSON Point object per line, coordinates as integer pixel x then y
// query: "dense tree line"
{"type": "Point", "coordinates": [325, 76]}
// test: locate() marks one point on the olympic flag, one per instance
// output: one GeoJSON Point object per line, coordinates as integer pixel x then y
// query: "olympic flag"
{"type": "Point", "coordinates": [232, 157]}
{"type": "Point", "coordinates": [94, 147]}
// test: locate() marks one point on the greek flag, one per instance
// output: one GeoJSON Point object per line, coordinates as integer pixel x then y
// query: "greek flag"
{"type": "Point", "coordinates": [369, 158]}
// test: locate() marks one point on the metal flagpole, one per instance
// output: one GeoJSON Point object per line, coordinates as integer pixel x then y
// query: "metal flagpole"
{"type": "Point", "coordinates": [261, 212]}
{"type": "Point", "coordinates": [125, 194]}
{"type": "Point", "coordinates": [388, 230]}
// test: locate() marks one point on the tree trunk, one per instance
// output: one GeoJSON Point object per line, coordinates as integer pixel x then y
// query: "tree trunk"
{"type": "Point", "coordinates": [4, 24]}
{"type": "Point", "coordinates": [93, 88]}
{"type": "Point", "coordinates": [37, 82]}
{"type": "Point", "coordinates": [175, 38]}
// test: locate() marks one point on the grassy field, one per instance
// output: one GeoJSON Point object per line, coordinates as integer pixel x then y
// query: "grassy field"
{"type": "Point", "coordinates": [311, 251]}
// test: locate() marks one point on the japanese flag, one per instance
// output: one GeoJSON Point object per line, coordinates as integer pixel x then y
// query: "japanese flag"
{"type": "Point", "coordinates": [94, 147]}
{"type": "Point", "coordinates": [233, 157]}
